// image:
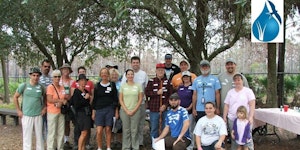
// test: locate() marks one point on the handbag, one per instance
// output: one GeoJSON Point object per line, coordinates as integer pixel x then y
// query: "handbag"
{"type": "Point", "coordinates": [64, 109]}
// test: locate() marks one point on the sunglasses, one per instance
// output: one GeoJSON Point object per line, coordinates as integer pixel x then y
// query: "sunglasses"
{"type": "Point", "coordinates": [46, 66]}
{"type": "Point", "coordinates": [56, 76]}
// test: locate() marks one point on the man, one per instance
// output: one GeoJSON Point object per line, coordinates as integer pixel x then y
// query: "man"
{"type": "Point", "coordinates": [32, 109]}
{"type": "Point", "coordinates": [206, 88]}
{"type": "Point", "coordinates": [226, 80]}
{"type": "Point", "coordinates": [158, 91]}
{"type": "Point", "coordinates": [177, 122]}
{"type": "Point", "coordinates": [141, 77]}
{"type": "Point", "coordinates": [66, 81]}
{"type": "Point", "coordinates": [177, 79]}
{"type": "Point", "coordinates": [171, 69]}
{"type": "Point", "coordinates": [90, 88]}
{"type": "Point", "coordinates": [45, 80]}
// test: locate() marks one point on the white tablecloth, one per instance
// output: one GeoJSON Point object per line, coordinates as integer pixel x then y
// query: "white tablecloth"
{"type": "Point", "coordinates": [289, 120]}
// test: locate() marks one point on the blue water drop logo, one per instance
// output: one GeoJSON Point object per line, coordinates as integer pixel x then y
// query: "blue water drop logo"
{"type": "Point", "coordinates": [266, 27]}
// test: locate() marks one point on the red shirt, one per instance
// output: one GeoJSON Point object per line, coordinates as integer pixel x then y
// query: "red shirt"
{"type": "Point", "coordinates": [89, 86]}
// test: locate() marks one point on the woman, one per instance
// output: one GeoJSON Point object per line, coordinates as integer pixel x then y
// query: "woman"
{"type": "Point", "coordinates": [104, 107]}
{"type": "Point", "coordinates": [56, 120]}
{"type": "Point", "coordinates": [236, 97]}
{"type": "Point", "coordinates": [81, 103]}
{"type": "Point", "coordinates": [185, 93]}
{"type": "Point", "coordinates": [117, 136]}
{"type": "Point", "coordinates": [210, 130]}
{"type": "Point", "coordinates": [130, 98]}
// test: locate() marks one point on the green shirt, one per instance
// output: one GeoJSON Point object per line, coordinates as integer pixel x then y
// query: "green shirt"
{"type": "Point", "coordinates": [31, 99]}
{"type": "Point", "coordinates": [131, 94]}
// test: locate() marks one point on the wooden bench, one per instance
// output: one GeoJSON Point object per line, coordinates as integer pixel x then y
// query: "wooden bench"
{"type": "Point", "coordinates": [9, 112]}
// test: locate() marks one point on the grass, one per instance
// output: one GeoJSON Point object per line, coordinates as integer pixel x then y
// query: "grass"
{"type": "Point", "coordinates": [9, 106]}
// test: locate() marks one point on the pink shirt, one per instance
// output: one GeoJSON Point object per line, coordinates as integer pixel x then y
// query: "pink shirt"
{"type": "Point", "coordinates": [236, 99]}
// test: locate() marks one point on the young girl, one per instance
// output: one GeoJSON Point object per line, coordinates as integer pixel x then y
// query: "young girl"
{"type": "Point", "coordinates": [241, 130]}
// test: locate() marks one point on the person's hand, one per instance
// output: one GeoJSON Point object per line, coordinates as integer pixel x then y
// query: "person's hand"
{"type": "Point", "coordinates": [218, 111]}
{"type": "Point", "coordinates": [199, 148]}
{"type": "Point", "coordinates": [251, 120]}
{"type": "Point", "coordinates": [20, 113]}
{"type": "Point", "coordinates": [218, 145]}
{"type": "Point", "coordinates": [177, 140]}
{"type": "Point", "coordinates": [194, 112]}
{"type": "Point", "coordinates": [44, 110]}
{"type": "Point", "coordinates": [162, 108]}
{"type": "Point", "coordinates": [225, 119]}
{"type": "Point", "coordinates": [87, 96]}
{"type": "Point", "coordinates": [93, 115]}
{"type": "Point", "coordinates": [117, 116]}
{"type": "Point", "coordinates": [160, 91]}
{"type": "Point", "coordinates": [157, 139]}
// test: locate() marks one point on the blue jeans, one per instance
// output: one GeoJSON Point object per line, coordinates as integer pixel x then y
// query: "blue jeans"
{"type": "Point", "coordinates": [154, 123]}
{"type": "Point", "coordinates": [212, 146]}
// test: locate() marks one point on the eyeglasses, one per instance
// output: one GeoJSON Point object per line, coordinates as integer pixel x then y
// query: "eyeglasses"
{"type": "Point", "coordinates": [46, 66]}
{"type": "Point", "coordinates": [56, 76]}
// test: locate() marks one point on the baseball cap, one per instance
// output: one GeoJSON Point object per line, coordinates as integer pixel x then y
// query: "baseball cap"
{"type": "Point", "coordinates": [230, 60]}
{"type": "Point", "coordinates": [174, 96]}
{"type": "Point", "coordinates": [204, 62]}
{"type": "Point", "coordinates": [35, 70]}
{"type": "Point", "coordinates": [187, 62]}
{"type": "Point", "coordinates": [112, 66]}
{"type": "Point", "coordinates": [160, 65]}
{"type": "Point", "coordinates": [168, 56]}
{"type": "Point", "coordinates": [186, 73]}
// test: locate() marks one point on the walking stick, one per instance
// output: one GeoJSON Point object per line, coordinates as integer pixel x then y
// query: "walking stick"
{"type": "Point", "coordinates": [160, 113]}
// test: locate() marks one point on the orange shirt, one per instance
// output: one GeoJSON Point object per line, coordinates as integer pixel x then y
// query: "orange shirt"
{"type": "Point", "coordinates": [51, 91]}
{"type": "Point", "coordinates": [177, 79]}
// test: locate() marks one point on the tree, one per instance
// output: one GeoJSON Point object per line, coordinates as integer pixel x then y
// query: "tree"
{"type": "Point", "coordinates": [195, 29]}
{"type": "Point", "coordinates": [6, 42]}
{"type": "Point", "coordinates": [57, 30]}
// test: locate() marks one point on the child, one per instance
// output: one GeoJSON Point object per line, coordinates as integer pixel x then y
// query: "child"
{"type": "Point", "coordinates": [241, 131]}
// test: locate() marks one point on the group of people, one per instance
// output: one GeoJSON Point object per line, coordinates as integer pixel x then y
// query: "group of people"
{"type": "Point", "coordinates": [198, 111]}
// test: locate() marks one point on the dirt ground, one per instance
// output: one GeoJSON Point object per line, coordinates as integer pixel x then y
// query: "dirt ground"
{"type": "Point", "coordinates": [11, 139]}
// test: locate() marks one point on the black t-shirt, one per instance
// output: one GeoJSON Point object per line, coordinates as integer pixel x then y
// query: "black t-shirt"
{"type": "Point", "coordinates": [105, 96]}
{"type": "Point", "coordinates": [174, 69]}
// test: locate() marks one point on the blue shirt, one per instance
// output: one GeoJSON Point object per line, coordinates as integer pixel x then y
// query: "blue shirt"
{"type": "Point", "coordinates": [175, 121]}
{"type": "Point", "coordinates": [206, 87]}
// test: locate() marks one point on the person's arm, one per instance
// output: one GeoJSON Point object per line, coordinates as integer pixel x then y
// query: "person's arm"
{"type": "Point", "coordinates": [198, 142]}
{"type": "Point", "coordinates": [194, 99]}
{"type": "Point", "coordinates": [185, 127]}
{"type": "Point", "coordinates": [17, 105]}
{"type": "Point", "coordinates": [137, 107]}
{"type": "Point", "coordinates": [225, 112]}
{"type": "Point", "coordinates": [251, 111]}
{"type": "Point", "coordinates": [121, 101]}
{"type": "Point", "coordinates": [163, 134]}
{"type": "Point", "coordinates": [218, 145]}
{"type": "Point", "coordinates": [218, 101]}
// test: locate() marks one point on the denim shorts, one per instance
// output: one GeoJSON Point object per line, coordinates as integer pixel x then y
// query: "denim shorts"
{"type": "Point", "coordinates": [212, 146]}
{"type": "Point", "coordinates": [104, 116]}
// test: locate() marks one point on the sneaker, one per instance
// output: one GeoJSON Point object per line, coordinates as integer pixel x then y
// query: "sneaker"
{"type": "Point", "coordinates": [88, 147]}
{"type": "Point", "coordinates": [67, 145]}
{"type": "Point", "coordinates": [75, 147]}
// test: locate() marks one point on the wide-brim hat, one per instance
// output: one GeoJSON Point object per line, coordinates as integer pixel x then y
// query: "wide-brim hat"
{"type": "Point", "coordinates": [66, 66]}
{"type": "Point", "coordinates": [35, 70]}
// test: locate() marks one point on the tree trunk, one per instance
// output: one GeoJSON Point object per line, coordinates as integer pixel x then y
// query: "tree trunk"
{"type": "Point", "coordinates": [5, 79]}
{"type": "Point", "coordinates": [280, 76]}
{"type": "Point", "coordinates": [272, 78]}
